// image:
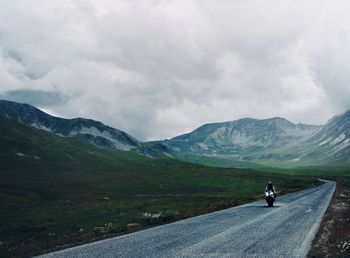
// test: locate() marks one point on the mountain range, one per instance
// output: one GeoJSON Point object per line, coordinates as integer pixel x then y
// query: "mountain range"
{"type": "Point", "coordinates": [245, 142]}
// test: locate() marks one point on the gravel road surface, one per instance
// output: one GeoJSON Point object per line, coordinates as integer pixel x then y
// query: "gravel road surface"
{"type": "Point", "coordinates": [250, 230]}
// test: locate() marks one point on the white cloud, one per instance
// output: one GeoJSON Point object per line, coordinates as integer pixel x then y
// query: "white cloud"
{"type": "Point", "coordinates": [160, 68]}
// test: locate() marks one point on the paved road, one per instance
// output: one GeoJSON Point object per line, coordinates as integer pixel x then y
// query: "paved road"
{"type": "Point", "coordinates": [250, 230]}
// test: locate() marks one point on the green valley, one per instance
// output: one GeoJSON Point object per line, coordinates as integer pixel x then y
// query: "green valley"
{"type": "Point", "coordinates": [57, 192]}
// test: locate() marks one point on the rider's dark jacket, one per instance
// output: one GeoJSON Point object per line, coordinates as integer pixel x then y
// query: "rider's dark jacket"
{"type": "Point", "coordinates": [270, 187]}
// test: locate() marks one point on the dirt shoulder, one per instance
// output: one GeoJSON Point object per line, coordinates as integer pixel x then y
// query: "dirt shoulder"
{"type": "Point", "coordinates": [333, 237]}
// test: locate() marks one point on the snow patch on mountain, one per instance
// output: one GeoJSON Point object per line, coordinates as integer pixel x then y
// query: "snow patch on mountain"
{"type": "Point", "coordinates": [41, 127]}
{"type": "Point", "coordinates": [92, 131]}
{"type": "Point", "coordinates": [104, 134]}
{"type": "Point", "coordinates": [325, 142]}
{"type": "Point", "coordinates": [203, 146]}
{"type": "Point", "coordinates": [338, 139]}
{"type": "Point", "coordinates": [339, 147]}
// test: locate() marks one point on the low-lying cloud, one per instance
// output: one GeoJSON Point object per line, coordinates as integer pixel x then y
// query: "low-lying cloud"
{"type": "Point", "coordinates": [157, 69]}
{"type": "Point", "coordinates": [36, 97]}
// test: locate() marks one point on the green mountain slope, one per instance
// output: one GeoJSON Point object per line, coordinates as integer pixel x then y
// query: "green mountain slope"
{"type": "Point", "coordinates": [88, 130]}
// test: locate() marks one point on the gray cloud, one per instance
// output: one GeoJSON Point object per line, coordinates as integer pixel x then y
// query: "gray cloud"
{"type": "Point", "coordinates": [38, 98]}
{"type": "Point", "coordinates": [160, 68]}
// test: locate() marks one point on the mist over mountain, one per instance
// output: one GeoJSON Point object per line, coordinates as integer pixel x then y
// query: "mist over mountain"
{"type": "Point", "coordinates": [245, 142]}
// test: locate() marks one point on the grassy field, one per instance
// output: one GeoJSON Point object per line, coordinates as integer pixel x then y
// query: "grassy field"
{"type": "Point", "coordinates": [57, 192]}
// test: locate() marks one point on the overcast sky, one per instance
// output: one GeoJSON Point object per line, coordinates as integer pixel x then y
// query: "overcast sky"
{"type": "Point", "coordinates": [156, 69]}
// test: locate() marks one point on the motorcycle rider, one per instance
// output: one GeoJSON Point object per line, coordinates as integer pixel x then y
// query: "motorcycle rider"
{"type": "Point", "coordinates": [270, 187]}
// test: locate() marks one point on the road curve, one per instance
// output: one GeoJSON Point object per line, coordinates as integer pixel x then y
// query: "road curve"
{"type": "Point", "coordinates": [250, 230]}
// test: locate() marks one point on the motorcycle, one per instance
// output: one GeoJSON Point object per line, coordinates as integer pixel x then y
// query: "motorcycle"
{"type": "Point", "coordinates": [270, 198]}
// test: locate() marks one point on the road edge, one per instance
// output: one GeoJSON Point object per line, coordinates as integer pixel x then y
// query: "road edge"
{"type": "Point", "coordinates": [307, 244]}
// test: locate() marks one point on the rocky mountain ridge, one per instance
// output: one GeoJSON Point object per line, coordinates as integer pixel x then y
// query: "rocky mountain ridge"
{"type": "Point", "coordinates": [88, 130]}
{"type": "Point", "coordinates": [245, 142]}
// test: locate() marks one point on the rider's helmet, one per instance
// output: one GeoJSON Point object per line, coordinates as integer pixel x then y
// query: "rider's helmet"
{"type": "Point", "coordinates": [269, 184]}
